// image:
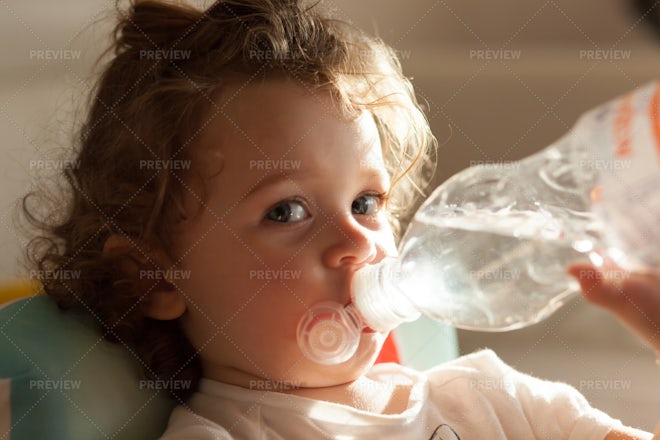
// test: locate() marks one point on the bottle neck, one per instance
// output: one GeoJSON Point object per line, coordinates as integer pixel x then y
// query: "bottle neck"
{"type": "Point", "coordinates": [378, 299]}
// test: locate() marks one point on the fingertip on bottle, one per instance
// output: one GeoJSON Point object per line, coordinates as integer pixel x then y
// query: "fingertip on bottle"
{"type": "Point", "coordinates": [588, 276]}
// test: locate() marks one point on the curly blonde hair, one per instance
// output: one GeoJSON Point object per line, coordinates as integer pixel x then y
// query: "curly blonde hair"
{"type": "Point", "coordinates": [167, 61]}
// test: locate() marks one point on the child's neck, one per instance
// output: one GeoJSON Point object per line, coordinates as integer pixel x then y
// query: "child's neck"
{"type": "Point", "coordinates": [363, 394]}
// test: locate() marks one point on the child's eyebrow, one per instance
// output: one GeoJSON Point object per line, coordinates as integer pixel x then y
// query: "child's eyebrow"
{"type": "Point", "coordinates": [273, 179]}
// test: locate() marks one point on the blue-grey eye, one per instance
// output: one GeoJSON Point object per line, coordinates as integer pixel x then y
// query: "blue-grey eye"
{"type": "Point", "coordinates": [366, 204]}
{"type": "Point", "coordinates": [287, 212]}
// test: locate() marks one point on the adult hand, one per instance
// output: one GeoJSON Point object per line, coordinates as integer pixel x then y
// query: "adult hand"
{"type": "Point", "coordinates": [633, 297]}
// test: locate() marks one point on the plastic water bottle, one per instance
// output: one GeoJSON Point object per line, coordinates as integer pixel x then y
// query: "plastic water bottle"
{"type": "Point", "coordinates": [489, 249]}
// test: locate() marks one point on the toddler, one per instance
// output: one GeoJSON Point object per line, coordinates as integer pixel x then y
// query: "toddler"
{"type": "Point", "coordinates": [238, 165]}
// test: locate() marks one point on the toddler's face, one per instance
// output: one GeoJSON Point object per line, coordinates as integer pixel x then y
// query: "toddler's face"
{"type": "Point", "coordinates": [294, 211]}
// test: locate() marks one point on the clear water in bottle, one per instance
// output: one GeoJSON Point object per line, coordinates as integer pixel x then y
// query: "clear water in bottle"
{"type": "Point", "coordinates": [495, 277]}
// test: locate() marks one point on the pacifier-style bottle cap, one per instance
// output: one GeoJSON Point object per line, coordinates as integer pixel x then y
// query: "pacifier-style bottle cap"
{"type": "Point", "coordinates": [329, 333]}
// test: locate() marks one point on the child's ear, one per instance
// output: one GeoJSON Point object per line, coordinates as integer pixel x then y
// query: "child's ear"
{"type": "Point", "coordinates": [149, 268]}
{"type": "Point", "coordinates": [164, 304]}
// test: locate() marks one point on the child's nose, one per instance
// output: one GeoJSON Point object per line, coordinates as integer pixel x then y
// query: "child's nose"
{"type": "Point", "coordinates": [352, 244]}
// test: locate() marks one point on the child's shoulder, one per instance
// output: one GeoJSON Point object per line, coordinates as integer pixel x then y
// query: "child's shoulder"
{"type": "Point", "coordinates": [482, 362]}
{"type": "Point", "coordinates": [184, 423]}
{"type": "Point", "coordinates": [485, 360]}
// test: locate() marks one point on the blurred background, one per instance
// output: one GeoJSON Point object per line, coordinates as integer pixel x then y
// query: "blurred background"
{"type": "Point", "coordinates": [499, 80]}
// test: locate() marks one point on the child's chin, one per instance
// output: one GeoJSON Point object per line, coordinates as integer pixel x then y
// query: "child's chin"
{"type": "Point", "coordinates": [364, 357]}
{"type": "Point", "coordinates": [314, 375]}
{"type": "Point", "coordinates": [335, 375]}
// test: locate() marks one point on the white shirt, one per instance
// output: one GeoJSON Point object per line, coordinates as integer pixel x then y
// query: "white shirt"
{"type": "Point", "coordinates": [473, 397]}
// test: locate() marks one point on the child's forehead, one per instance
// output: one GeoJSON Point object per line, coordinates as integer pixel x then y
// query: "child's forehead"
{"type": "Point", "coordinates": [276, 116]}
{"type": "Point", "coordinates": [284, 128]}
